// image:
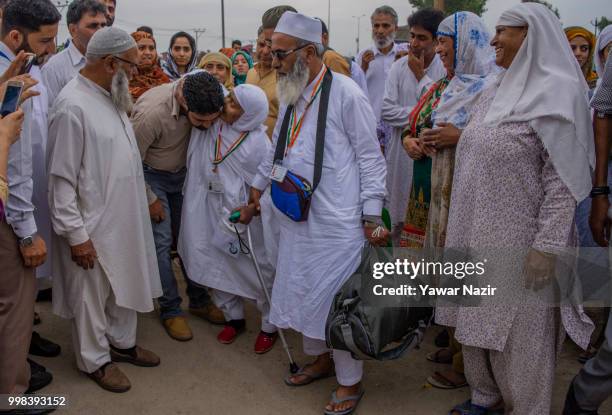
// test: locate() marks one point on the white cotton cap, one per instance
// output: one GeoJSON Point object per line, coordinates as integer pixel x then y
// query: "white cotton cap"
{"type": "Point", "coordinates": [299, 26]}
{"type": "Point", "coordinates": [110, 41]}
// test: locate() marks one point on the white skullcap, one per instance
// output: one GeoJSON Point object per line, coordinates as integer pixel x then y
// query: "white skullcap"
{"type": "Point", "coordinates": [110, 41]}
{"type": "Point", "coordinates": [299, 26]}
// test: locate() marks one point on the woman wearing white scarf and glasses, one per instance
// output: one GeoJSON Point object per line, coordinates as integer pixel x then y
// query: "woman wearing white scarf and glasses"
{"type": "Point", "coordinates": [523, 162]}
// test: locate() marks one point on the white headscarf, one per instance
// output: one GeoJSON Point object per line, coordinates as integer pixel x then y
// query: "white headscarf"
{"type": "Point", "coordinates": [545, 86]}
{"type": "Point", "coordinates": [603, 40]}
{"type": "Point", "coordinates": [253, 101]}
{"type": "Point", "coordinates": [474, 60]}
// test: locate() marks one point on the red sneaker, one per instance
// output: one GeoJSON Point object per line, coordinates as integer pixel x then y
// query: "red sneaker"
{"type": "Point", "coordinates": [228, 334]}
{"type": "Point", "coordinates": [265, 342]}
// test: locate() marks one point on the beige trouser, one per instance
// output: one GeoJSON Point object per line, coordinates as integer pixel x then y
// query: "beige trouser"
{"type": "Point", "coordinates": [17, 295]}
{"type": "Point", "coordinates": [523, 374]}
{"type": "Point", "coordinates": [98, 322]}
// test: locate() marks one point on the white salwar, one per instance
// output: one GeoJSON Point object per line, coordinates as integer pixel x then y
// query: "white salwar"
{"type": "Point", "coordinates": [97, 192]}
{"type": "Point", "coordinates": [402, 92]}
{"type": "Point", "coordinates": [208, 243]}
{"type": "Point", "coordinates": [316, 257]}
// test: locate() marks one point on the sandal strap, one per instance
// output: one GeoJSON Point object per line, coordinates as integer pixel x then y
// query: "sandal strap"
{"type": "Point", "coordinates": [337, 400]}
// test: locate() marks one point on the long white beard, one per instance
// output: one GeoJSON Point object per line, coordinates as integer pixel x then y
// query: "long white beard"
{"type": "Point", "coordinates": [120, 92]}
{"type": "Point", "coordinates": [384, 43]}
{"type": "Point", "coordinates": [290, 87]}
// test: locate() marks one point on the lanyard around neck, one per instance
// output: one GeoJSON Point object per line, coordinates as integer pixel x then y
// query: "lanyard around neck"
{"type": "Point", "coordinates": [296, 124]}
{"type": "Point", "coordinates": [219, 157]}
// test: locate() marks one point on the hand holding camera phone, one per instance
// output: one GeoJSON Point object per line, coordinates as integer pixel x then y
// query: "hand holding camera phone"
{"type": "Point", "coordinates": [12, 95]}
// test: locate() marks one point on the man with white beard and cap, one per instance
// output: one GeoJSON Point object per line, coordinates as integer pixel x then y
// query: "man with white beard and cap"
{"type": "Point", "coordinates": [319, 253]}
{"type": "Point", "coordinates": [105, 266]}
{"type": "Point", "coordinates": [376, 62]}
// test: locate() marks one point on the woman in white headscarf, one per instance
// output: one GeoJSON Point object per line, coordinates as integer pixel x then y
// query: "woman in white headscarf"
{"type": "Point", "coordinates": [523, 162]}
{"type": "Point", "coordinates": [463, 47]}
{"type": "Point", "coordinates": [221, 162]}
{"type": "Point", "coordinates": [602, 50]}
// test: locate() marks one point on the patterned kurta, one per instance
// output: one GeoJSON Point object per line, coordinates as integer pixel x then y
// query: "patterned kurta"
{"type": "Point", "coordinates": [506, 195]}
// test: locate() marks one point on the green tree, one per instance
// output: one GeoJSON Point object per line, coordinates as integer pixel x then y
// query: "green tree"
{"type": "Point", "coordinates": [547, 4]}
{"type": "Point", "coordinates": [602, 22]}
{"type": "Point", "coordinates": [452, 6]}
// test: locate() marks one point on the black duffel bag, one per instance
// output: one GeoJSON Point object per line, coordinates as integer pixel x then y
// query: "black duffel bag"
{"type": "Point", "coordinates": [369, 328]}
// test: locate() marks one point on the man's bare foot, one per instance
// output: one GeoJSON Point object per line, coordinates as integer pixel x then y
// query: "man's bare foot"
{"type": "Point", "coordinates": [343, 392]}
{"type": "Point", "coordinates": [322, 366]}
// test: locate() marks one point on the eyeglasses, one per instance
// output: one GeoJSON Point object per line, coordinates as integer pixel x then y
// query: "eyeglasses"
{"type": "Point", "coordinates": [281, 54]}
{"type": "Point", "coordinates": [132, 64]}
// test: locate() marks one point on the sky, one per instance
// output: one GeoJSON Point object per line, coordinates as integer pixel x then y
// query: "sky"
{"type": "Point", "coordinates": [243, 17]}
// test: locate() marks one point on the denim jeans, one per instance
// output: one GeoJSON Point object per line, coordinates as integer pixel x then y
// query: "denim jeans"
{"type": "Point", "coordinates": [169, 187]}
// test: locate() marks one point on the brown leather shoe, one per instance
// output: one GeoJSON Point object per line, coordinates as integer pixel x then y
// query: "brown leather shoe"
{"type": "Point", "coordinates": [178, 329]}
{"type": "Point", "coordinates": [210, 313]}
{"type": "Point", "coordinates": [111, 378]}
{"type": "Point", "coordinates": [138, 357]}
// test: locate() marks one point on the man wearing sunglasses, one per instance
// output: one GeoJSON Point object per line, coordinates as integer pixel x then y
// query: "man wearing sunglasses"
{"type": "Point", "coordinates": [317, 256]}
{"type": "Point", "coordinates": [105, 266]}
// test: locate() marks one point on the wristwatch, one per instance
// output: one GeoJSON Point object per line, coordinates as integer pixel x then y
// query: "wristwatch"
{"type": "Point", "coordinates": [27, 241]}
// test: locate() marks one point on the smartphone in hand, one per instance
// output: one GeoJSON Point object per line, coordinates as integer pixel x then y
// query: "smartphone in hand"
{"type": "Point", "coordinates": [30, 60]}
{"type": "Point", "coordinates": [12, 95]}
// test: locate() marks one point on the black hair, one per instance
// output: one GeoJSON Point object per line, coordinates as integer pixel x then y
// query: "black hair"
{"type": "Point", "coordinates": [145, 29]}
{"type": "Point", "coordinates": [203, 93]}
{"type": "Point", "coordinates": [324, 29]}
{"type": "Point", "coordinates": [28, 15]}
{"type": "Point", "coordinates": [270, 18]}
{"type": "Point", "coordinates": [428, 18]}
{"type": "Point", "coordinates": [190, 39]}
{"type": "Point", "coordinates": [236, 42]}
{"type": "Point", "coordinates": [3, 3]}
{"type": "Point", "coordinates": [79, 8]}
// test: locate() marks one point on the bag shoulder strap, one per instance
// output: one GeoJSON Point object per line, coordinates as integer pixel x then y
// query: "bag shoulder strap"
{"type": "Point", "coordinates": [281, 143]}
{"type": "Point", "coordinates": [321, 125]}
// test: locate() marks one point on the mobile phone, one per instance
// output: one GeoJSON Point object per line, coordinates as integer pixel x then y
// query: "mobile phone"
{"type": "Point", "coordinates": [28, 64]}
{"type": "Point", "coordinates": [12, 94]}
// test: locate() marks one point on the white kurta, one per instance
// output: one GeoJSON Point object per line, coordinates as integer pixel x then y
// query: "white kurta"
{"type": "Point", "coordinates": [97, 191]}
{"type": "Point", "coordinates": [316, 257]}
{"type": "Point", "coordinates": [61, 69]}
{"type": "Point", "coordinates": [208, 245]}
{"type": "Point", "coordinates": [39, 170]}
{"type": "Point", "coordinates": [402, 92]}
{"type": "Point", "coordinates": [377, 73]}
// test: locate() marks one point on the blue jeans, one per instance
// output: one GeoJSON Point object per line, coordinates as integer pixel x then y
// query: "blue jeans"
{"type": "Point", "coordinates": [168, 187]}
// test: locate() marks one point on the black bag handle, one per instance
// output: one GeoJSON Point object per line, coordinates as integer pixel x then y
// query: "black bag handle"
{"type": "Point", "coordinates": [281, 144]}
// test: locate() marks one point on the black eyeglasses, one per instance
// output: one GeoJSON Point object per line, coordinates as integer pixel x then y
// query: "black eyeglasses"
{"type": "Point", "coordinates": [132, 64]}
{"type": "Point", "coordinates": [281, 54]}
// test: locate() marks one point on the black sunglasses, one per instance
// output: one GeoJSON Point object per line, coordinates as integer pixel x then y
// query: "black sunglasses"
{"type": "Point", "coordinates": [281, 54]}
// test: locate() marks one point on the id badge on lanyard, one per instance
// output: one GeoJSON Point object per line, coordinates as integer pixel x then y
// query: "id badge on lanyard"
{"type": "Point", "coordinates": [278, 172]}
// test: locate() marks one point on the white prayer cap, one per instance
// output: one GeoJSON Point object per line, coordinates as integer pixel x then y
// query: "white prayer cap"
{"type": "Point", "coordinates": [110, 41]}
{"type": "Point", "coordinates": [299, 26]}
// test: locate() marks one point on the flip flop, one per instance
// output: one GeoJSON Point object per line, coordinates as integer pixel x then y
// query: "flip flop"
{"type": "Point", "coordinates": [438, 380]}
{"type": "Point", "coordinates": [468, 408]}
{"type": "Point", "coordinates": [309, 377]}
{"type": "Point", "coordinates": [435, 357]}
{"type": "Point", "coordinates": [336, 400]}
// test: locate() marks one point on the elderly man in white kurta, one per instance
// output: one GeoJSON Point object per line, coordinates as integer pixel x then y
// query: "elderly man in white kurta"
{"type": "Point", "coordinates": [318, 255]}
{"type": "Point", "coordinates": [408, 77]}
{"type": "Point", "coordinates": [104, 257]}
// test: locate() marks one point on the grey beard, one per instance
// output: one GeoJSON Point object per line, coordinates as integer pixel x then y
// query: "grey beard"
{"type": "Point", "coordinates": [120, 92]}
{"type": "Point", "coordinates": [291, 86]}
{"type": "Point", "coordinates": [384, 43]}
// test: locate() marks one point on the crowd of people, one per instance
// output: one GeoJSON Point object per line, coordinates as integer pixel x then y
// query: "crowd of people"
{"type": "Point", "coordinates": [121, 162]}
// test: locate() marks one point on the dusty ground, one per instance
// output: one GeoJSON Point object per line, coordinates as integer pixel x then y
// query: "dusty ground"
{"type": "Point", "coordinates": [204, 377]}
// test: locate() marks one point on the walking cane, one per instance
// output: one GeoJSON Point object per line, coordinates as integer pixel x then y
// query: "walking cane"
{"type": "Point", "coordinates": [293, 367]}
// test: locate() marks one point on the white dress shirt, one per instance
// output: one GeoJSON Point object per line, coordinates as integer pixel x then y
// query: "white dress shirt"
{"type": "Point", "coordinates": [61, 69]}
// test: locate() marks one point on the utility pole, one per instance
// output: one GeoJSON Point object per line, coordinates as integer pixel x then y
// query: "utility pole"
{"type": "Point", "coordinates": [223, 23]}
{"type": "Point", "coordinates": [328, 18]}
{"type": "Point", "coordinates": [358, 30]}
{"type": "Point", "coordinates": [596, 24]}
{"type": "Point", "coordinates": [439, 4]}
{"type": "Point", "coordinates": [198, 32]}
